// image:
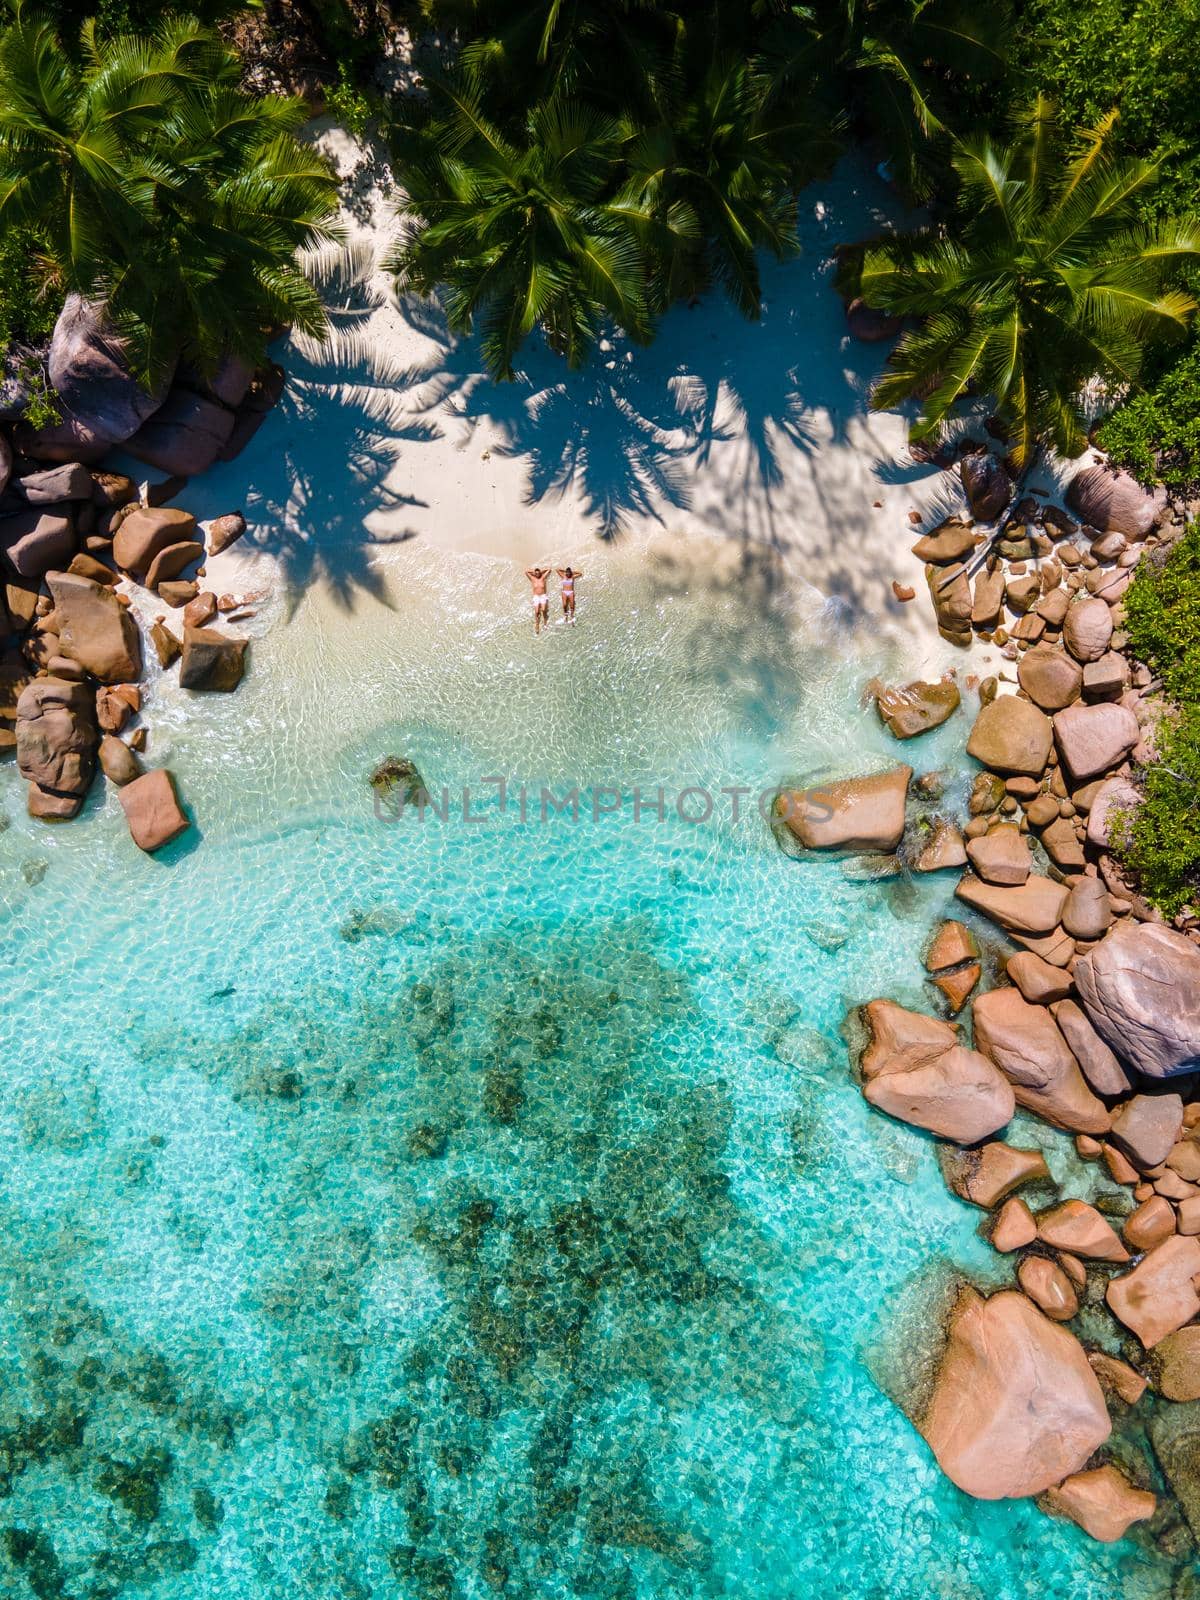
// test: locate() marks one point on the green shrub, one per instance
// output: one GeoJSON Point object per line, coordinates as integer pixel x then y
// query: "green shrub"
{"type": "Point", "coordinates": [1160, 840]}
{"type": "Point", "coordinates": [1156, 434]}
{"type": "Point", "coordinates": [349, 104]}
{"type": "Point", "coordinates": [1137, 57]}
{"type": "Point", "coordinates": [27, 312]}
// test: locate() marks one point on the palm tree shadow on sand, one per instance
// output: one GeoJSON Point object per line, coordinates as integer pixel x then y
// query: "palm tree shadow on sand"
{"type": "Point", "coordinates": [713, 418]}
{"type": "Point", "coordinates": [627, 434]}
{"type": "Point", "coordinates": [720, 420]}
{"type": "Point", "coordinates": [314, 520]}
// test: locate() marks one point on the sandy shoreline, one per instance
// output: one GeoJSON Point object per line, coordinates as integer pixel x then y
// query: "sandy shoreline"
{"type": "Point", "coordinates": [741, 453]}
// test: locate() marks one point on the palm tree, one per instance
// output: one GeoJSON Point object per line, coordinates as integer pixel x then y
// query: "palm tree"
{"type": "Point", "coordinates": [517, 229]}
{"type": "Point", "coordinates": [1045, 278]}
{"type": "Point", "coordinates": [609, 53]}
{"type": "Point", "coordinates": [896, 65]}
{"type": "Point", "coordinates": [160, 187]}
{"type": "Point", "coordinates": [716, 174]}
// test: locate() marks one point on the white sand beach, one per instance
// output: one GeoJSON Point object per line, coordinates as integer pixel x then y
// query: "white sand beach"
{"type": "Point", "coordinates": [397, 471]}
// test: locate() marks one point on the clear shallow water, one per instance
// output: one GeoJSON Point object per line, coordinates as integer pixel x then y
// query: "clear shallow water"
{"type": "Point", "coordinates": [456, 1210]}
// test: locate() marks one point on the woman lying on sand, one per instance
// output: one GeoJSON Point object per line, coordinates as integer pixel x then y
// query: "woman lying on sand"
{"type": "Point", "coordinates": [568, 576]}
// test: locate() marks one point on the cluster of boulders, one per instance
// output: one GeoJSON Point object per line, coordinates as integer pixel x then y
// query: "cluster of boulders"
{"type": "Point", "coordinates": [77, 543]}
{"type": "Point", "coordinates": [1093, 1023]}
{"type": "Point", "coordinates": [1008, 572]}
{"type": "Point", "coordinates": [182, 426]}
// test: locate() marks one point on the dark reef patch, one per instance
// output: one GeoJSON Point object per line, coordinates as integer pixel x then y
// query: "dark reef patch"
{"type": "Point", "coordinates": [535, 1129]}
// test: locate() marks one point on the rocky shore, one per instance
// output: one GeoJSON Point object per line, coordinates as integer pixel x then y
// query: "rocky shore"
{"type": "Point", "coordinates": [79, 545]}
{"type": "Point", "coordinates": [1086, 1010]}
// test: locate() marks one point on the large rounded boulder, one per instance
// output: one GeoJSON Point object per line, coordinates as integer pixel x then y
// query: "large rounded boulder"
{"type": "Point", "coordinates": [1110, 500]}
{"type": "Point", "coordinates": [1140, 987]}
{"type": "Point", "coordinates": [90, 375]}
{"type": "Point", "coordinates": [1015, 1408]}
{"type": "Point", "coordinates": [1011, 736]}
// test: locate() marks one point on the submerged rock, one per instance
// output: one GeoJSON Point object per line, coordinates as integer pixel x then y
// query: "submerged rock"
{"type": "Point", "coordinates": [914, 1069]}
{"type": "Point", "coordinates": [1015, 1406]}
{"type": "Point", "coordinates": [397, 779]}
{"type": "Point", "coordinates": [851, 814]}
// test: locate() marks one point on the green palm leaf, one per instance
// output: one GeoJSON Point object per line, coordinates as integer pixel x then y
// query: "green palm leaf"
{"type": "Point", "coordinates": [1051, 281]}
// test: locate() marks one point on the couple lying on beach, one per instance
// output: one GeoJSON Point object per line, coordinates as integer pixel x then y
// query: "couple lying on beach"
{"type": "Point", "coordinates": [541, 600]}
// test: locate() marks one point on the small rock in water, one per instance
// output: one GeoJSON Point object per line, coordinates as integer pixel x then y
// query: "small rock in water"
{"type": "Point", "coordinates": [34, 871]}
{"type": "Point", "coordinates": [916, 707]}
{"type": "Point", "coordinates": [397, 780]}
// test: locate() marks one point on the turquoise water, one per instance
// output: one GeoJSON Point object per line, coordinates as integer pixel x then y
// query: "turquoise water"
{"type": "Point", "coordinates": [423, 1210]}
{"type": "Point", "coordinates": [458, 1210]}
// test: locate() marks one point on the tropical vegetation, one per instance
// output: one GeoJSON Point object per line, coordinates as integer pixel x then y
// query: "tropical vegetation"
{"type": "Point", "coordinates": [588, 162]}
{"type": "Point", "coordinates": [1155, 433]}
{"type": "Point", "coordinates": [1045, 277]}
{"type": "Point", "coordinates": [140, 173]}
{"type": "Point", "coordinates": [1160, 838]}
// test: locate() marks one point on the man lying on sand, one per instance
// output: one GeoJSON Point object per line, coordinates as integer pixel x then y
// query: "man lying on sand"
{"type": "Point", "coordinates": [541, 600]}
